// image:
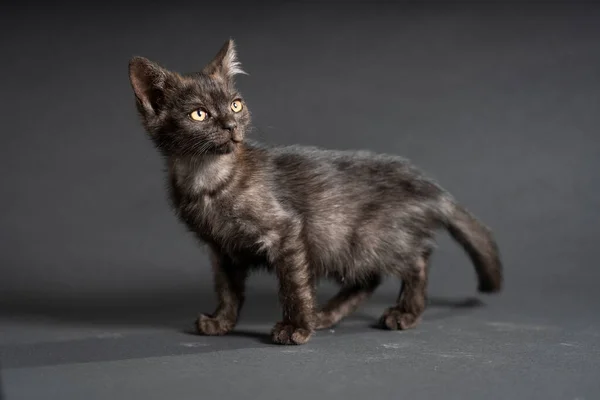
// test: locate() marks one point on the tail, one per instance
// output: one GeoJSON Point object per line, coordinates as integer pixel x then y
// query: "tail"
{"type": "Point", "coordinates": [478, 242]}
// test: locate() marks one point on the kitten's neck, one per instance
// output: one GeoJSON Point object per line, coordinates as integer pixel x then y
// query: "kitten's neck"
{"type": "Point", "coordinates": [206, 173]}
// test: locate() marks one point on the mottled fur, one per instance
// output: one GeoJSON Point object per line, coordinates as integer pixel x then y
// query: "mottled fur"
{"type": "Point", "coordinates": [303, 213]}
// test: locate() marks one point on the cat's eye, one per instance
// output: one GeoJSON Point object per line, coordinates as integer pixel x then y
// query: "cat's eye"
{"type": "Point", "coordinates": [199, 115]}
{"type": "Point", "coordinates": [236, 106]}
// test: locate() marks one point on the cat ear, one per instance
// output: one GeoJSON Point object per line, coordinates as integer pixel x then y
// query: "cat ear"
{"type": "Point", "coordinates": [148, 81]}
{"type": "Point", "coordinates": [225, 64]}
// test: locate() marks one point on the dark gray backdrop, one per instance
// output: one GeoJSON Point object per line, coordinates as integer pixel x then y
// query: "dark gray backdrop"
{"type": "Point", "coordinates": [498, 102]}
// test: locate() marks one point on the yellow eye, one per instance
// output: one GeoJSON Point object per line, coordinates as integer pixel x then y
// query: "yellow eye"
{"type": "Point", "coordinates": [236, 106]}
{"type": "Point", "coordinates": [198, 115]}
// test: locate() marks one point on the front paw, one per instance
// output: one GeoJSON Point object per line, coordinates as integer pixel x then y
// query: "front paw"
{"type": "Point", "coordinates": [213, 326]}
{"type": "Point", "coordinates": [395, 319]}
{"type": "Point", "coordinates": [286, 333]}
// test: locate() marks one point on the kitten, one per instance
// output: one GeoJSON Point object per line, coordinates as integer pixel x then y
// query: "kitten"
{"type": "Point", "coordinates": [301, 212]}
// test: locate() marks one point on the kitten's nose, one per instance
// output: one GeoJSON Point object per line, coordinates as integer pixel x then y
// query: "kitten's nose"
{"type": "Point", "coordinates": [229, 125]}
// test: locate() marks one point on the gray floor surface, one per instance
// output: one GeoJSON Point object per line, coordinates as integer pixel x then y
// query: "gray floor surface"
{"type": "Point", "coordinates": [100, 284]}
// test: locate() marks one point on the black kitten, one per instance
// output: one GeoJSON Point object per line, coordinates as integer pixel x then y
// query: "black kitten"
{"type": "Point", "coordinates": [301, 212]}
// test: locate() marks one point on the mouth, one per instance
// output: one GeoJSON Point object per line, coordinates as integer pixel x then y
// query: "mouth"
{"type": "Point", "coordinates": [226, 147]}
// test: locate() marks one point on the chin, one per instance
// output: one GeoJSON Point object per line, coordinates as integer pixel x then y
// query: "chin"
{"type": "Point", "coordinates": [225, 148]}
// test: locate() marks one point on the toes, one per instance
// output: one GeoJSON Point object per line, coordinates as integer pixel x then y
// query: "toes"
{"type": "Point", "coordinates": [213, 326]}
{"type": "Point", "coordinates": [289, 334]}
{"type": "Point", "coordinates": [395, 319]}
{"type": "Point", "coordinates": [281, 333]}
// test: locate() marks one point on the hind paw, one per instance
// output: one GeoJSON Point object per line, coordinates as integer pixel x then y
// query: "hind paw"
{"type": "Point", "coordinates": [207, 325]}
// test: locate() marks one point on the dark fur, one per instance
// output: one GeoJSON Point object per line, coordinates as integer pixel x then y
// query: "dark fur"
{"type": "Point", "coordinates": [304, 213]}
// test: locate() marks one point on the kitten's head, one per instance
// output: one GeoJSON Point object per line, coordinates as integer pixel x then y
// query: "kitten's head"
{"type": "Point", "coordinates": [191, 114]}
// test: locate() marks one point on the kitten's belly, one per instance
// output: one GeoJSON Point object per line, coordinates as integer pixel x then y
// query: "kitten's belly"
{"type": "Point", "coordinates": [336, 245]}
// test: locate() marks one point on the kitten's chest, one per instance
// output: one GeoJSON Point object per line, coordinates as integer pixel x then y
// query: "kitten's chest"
{"type": "Point", "coordinates": [202, 211]}
{"type": "Point", "coordinates": [218, 216]}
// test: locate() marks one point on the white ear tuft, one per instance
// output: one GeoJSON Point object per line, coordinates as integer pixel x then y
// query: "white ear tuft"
{"type": "Point", "coordinates": [225, 63]}
{"type": "Point", "coordinates": [233, 65]}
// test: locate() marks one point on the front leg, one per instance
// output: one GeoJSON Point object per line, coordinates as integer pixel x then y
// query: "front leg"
{"type": "Point", "coordinates": [297, 297]}
{"type": "Point", "coordinates": [229, 281]}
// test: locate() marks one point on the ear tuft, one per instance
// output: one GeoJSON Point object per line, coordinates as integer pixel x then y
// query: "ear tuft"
{"type": "Point", "coordinates": [225, 63]}
{"type": "Point", "coordinates": [234, 66]}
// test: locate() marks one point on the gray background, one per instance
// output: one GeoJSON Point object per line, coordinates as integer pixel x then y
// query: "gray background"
{"type": "Point", "coordinates": [100, 284]}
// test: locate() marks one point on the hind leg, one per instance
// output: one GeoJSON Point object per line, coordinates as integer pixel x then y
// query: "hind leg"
{"type": "Point", "coordinates": [412, 298]}
{"type": "Point", "coordinates": [346, 301]}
